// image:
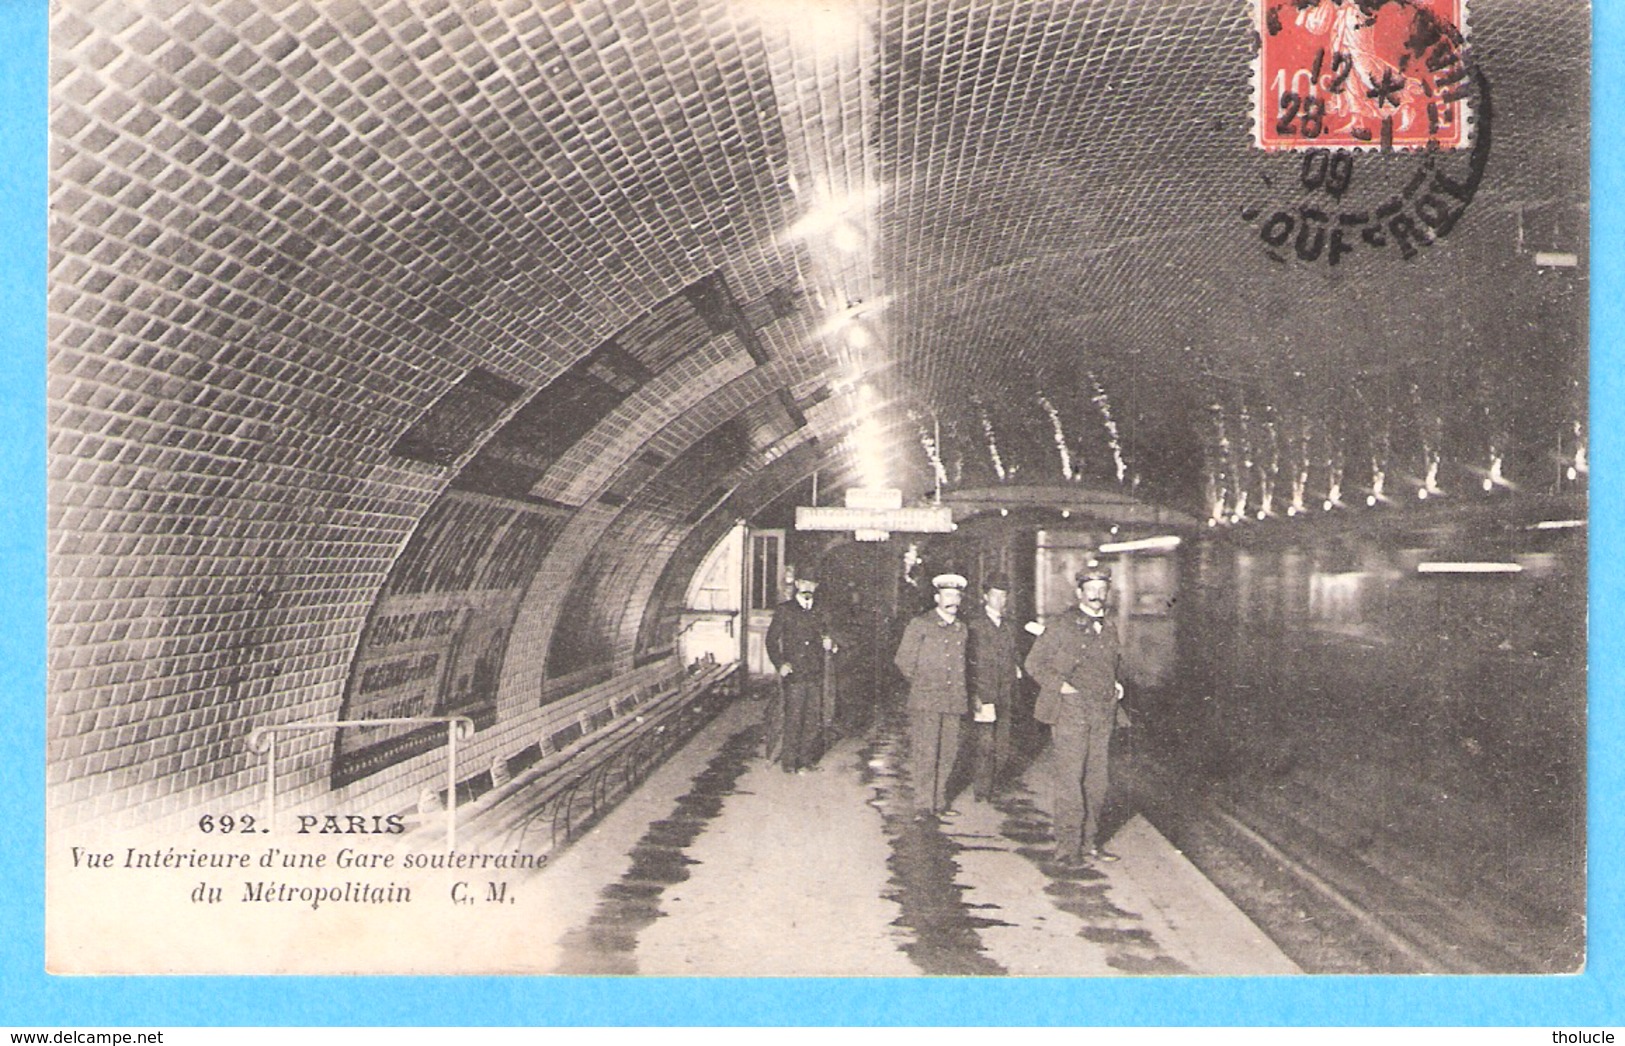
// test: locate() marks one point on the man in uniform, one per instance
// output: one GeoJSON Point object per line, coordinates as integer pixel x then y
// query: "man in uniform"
{"type": "Point", "coordinates": [993, 668]}
{"type": "Point", "coordinates": [931, 657]}
{"type": "Point", "coordinates": [797, 641]}
{"type": "Point", "coordinates": [1075, 662]}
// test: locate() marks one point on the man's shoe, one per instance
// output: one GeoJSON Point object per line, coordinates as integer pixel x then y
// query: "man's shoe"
{"type": "Point", "coordinates": [947, 815]}
{"type": "Point", "coordinates": [1097, 854]}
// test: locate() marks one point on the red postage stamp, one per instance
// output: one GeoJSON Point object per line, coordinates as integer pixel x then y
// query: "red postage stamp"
{"type": "Point", "coordinates": [1354, 74]}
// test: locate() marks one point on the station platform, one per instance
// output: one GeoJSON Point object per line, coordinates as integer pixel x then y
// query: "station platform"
{"type": "Point", "coordinates": [722, 864]}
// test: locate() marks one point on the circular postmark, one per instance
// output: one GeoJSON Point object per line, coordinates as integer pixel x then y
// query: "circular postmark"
{"type": "Point", "coordinates": [1375, 125]}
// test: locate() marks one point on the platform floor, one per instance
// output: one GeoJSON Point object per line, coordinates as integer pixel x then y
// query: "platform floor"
{"type": "Point", "coordinates": [722, 864]}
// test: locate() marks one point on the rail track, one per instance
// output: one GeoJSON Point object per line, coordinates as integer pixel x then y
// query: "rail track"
{"type": "Point", "coordinates": [1337, 906]}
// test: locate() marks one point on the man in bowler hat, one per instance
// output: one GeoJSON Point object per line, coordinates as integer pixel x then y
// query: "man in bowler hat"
{"type": "Point", "coordinates": [797, 641]}
{"type": "Point", "coordinates": [993, 670]}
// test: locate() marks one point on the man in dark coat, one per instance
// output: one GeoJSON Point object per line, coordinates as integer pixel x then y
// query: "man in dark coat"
{"type": "Point", "coordinates": [1075, 662]}
{"type": "Point", "coordinates": [993, 669]}
{"type": "Point", "coordinates": [797, 642]}
{"type": "Point", "coordinates": [931, 657]}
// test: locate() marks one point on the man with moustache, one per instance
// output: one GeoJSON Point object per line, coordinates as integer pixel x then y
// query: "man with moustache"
{"type": "Point", "coordinates": [931, 657]}
{"type": "Point", "coordinates": [1075, 662]}
{"type": "Point", "coordinates": [797, 641]}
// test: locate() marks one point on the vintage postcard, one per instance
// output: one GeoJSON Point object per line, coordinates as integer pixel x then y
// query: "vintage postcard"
{"type": "Point", "coordinates": [771, 488]}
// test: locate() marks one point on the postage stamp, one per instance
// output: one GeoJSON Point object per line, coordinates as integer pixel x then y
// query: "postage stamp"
{"type": "Point", "coordinates": [1375, 123]}
{"type": "Point", "coordinates": [1353, 74]}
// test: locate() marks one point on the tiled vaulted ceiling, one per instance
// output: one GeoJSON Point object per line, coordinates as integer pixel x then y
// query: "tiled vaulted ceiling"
{"type": "Point", "coordinates": [314, 218]}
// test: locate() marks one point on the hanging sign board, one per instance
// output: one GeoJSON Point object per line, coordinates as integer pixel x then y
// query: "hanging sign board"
{"type": "Point", "coordinates": [932, 520]}
{"type": "Point", "coordinates": [874, 497]}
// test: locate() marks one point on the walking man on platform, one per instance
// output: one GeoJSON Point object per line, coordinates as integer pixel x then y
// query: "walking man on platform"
{"type": "Point", "coordinates": [797, 643]}
{"type": "Point", "coordinates": [1076, 662]}
{"type": "Point", "coordinates": [931, 657]}
{"type": "Point", "coordinates": [994, 667]}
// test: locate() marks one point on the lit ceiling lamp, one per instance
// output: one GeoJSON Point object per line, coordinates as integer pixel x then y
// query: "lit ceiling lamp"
{"type": "Point", "coordinates": [1334, 490]}
{"type": "Point", "coordinates": [823, 60]}
{"type": "Point", "coordinates": [856, 333]}
{"type": "Point", "coordinates": [1580, 466]}
{"type": "Point", "coordinates": [815, 28]}
{"type": "Point", "coordinates": [868, 448]}
{"type": "Point", "coordinates": [1379, 480]}
{"type": "Point", "coordinates": [1430, 483]}
{"type": "Point", "coordinates": [1496, 477]}
{"type": "Point", "coordinates": [847, 237]}
{"type": "Point", "coordinates": [854, 312]}
{"type": "Point", "coordinates": [868, 439]}
{"type": "Point", "coordinates": [838, 218]}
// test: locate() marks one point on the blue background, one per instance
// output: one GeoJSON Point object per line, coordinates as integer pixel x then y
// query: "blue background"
{"type": "Point", "coordinates": [29, 998]}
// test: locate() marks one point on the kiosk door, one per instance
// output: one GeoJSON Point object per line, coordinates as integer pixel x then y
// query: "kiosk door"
{"type": "Point", "coordinates": [764, 590]}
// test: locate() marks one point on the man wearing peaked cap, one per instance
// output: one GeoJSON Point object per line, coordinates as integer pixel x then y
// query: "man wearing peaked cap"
{"type": "Point", "coordinates": [1094, 572]}
{"type": "Point", "coordinates": [931, 657]}
{"type": "Point", "coordinates": [1076, 662]}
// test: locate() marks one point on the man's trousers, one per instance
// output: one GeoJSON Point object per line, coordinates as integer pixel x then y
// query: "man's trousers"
{"type": "Point", "coordinates": [933, 748]}
{"type": "Point", "coordinates": [1081, 743]}
{"type": "Point", "coordinates": [802, 702]}
{"type": "Point", "coordinates": [992, 751]}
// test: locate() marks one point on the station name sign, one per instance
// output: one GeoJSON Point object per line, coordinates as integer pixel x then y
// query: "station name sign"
{"type": "Point", "coordinates": [928, 520]}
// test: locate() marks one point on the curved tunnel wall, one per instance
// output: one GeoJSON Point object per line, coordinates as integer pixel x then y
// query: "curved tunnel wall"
{"type": "Point", "coordinates": [260, 284]}
{"type": "Point", "coordinates": [491, 535]}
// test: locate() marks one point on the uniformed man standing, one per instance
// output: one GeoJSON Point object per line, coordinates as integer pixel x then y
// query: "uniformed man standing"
{"type": "Point", "coordinates": [931, 657]}
{"type": "Point", "coordinates": [1075, 662]}
{"type": "Point", "coordinates": [994, 667]}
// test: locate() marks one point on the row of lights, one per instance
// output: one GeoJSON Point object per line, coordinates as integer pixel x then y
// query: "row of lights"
{"type": "Point", "coordinates": [1493, 480]}
{"type": "Point", "coordinates": [835, 224]}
